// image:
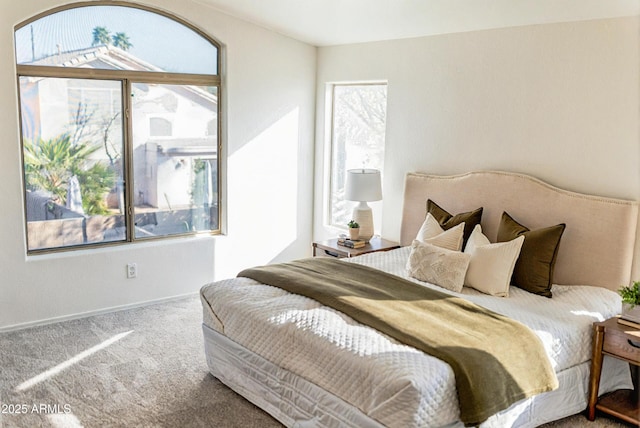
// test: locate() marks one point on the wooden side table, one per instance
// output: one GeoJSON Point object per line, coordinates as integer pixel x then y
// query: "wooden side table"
{"type": "Point", "coordinates": [622, 342]}
{"type": "Point", "coordinates": [331, 248]}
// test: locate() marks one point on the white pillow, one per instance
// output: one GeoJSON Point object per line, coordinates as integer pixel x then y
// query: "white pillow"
{"type": "Point", "coordinates": [432, 233]}
{"type": "Point", "coordinates": [491, 265]}
{"type": "Point", "coordinates": [437, 265]}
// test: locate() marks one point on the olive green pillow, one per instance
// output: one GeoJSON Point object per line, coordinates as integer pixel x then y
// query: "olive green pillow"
{"type": "Point", "coordinates": [534, 268]}
{"type": "Point", "coordinates": [447, 221]}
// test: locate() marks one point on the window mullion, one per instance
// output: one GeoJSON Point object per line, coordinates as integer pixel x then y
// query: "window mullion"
{"type": "Point", "coordinates": [128, 159]}
{"type": "Point", "coordinates": [101, 74]}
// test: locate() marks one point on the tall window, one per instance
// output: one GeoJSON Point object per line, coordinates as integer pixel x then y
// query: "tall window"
{"type": "Point", "coordinates": [120, 126]}
{"type": "Point", "coordinates": [357, 140]}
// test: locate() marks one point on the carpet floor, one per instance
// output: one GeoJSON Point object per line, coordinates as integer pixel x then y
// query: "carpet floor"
{"type": "Point", "coordinates": [142, 367]}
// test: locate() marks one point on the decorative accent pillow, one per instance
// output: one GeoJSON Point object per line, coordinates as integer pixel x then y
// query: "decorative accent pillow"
{"type": "Point", "coordinates": [437, 265]}
{"type": "Point", "coordinates": [534, 269]}
{"type": "Point", "coordinates": [491, 265]}
{"type": "Point", "coordinates": [447, 221]}
{"type": "Point", "coordinates": [431, 232]}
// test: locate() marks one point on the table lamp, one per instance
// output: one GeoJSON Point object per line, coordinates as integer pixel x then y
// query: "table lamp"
{"type": "Point", "coordinates": [363, 185]}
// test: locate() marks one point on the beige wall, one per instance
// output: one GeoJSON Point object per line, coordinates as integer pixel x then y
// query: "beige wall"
{"type": "Point", "coordinates": [557, 101]}
{"type": "Point", "coordinates": [270, 105]}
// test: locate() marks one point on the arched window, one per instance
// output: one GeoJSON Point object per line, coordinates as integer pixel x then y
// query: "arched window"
{"type": "Point", "coordinates": [96, 83]}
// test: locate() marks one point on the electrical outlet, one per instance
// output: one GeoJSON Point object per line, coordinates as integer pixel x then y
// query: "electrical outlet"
{"type": "Point", "coordinates": [132, 270]}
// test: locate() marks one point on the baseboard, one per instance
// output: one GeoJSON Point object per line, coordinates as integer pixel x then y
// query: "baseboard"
{"type": "Point", "coordinates": [30, 324]}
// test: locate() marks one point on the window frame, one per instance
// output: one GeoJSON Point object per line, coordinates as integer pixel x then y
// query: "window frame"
{"type": "Point", "coordinates": [127, 78]}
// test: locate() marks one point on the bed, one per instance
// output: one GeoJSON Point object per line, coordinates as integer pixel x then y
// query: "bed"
{"type": "Point", "coordinates": [308, 364]}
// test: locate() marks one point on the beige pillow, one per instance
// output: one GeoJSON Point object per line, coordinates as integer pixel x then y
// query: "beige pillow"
{"type": "Point", "coordinates": [491, 265]}
{"type": "Point", "coordinates": [437, 265]}
{"type": "Point", "coordinates": [431, 233]}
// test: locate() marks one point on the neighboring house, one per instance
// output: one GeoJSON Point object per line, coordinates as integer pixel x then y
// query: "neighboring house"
{"type": "Point", "coordinates": [174, 138]}
{"type": "Point", "coordinates": [166, 110]}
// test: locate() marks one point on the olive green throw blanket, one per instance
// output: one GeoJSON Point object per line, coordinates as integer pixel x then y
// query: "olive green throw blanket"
{"type": "Point", "coordinates": [497, 361]}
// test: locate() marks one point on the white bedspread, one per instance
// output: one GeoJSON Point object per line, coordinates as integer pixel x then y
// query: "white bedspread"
{"type": "Point", "coordinates": [392, 383]}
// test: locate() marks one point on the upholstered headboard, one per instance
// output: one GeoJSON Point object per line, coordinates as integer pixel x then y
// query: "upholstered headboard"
{"type": "Point", "coordinates": [597, 246]}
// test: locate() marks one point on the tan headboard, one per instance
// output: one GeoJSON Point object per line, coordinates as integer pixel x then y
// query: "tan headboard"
{"type": "Point", "coordinates": [598, 243]}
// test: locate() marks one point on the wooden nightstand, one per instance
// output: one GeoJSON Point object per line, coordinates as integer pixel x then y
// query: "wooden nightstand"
{"type": "Point", "coordinates": [331, 248]}
{"type": "Point", "coordinates": [622, 342]}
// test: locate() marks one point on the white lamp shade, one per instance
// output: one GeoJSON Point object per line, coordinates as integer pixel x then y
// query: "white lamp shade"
{"type": "Point", "coordinates": [363, 185]}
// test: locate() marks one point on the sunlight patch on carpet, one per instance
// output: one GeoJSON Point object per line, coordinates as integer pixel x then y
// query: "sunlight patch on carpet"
{"type": "Point", "coordinates": [70, 362]}
{"type": "Point", "coordinates": [66, 420]}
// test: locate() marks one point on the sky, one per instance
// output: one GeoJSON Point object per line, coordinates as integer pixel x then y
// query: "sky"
{"type": "Point", "coordinates": [156, 39]}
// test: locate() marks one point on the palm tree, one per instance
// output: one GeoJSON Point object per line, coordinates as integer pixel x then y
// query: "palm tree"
{"type": "Point", "coordinates": [100, 36]}
{"type": "Point", "coordinates": [50, 164]}
{"type": "Point", "coordinates": [121, 40]}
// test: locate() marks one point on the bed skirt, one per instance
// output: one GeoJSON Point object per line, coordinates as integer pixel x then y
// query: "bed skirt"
{"type": "Point", "coordinates": [294, 401]}
{"type": "Point", "coordinates": [290, 399]}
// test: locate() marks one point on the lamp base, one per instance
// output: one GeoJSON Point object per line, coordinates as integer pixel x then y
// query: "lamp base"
{"type": "Point", "coordinates": [363, 215]}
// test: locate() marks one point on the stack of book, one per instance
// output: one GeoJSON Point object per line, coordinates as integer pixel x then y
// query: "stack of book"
{"type": "Point", "coordinates": [352, 243]}
{"type": "Point", "coordinates": [629, 323]}
{"type": "Point", "coordinates": [630, 316]}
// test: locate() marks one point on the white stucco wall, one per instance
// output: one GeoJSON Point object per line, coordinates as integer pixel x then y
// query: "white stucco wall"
{"type": "Point", "coordinates": [269, 114]}
{"type": "Point", "coordinates": [558, 101]}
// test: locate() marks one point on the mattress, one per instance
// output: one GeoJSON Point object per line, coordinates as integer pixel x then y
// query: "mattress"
{"type": "Point", "coordinates": [385, 381]}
